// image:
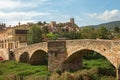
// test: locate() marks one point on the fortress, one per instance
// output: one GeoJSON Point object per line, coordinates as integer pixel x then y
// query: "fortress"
{"type": "Point", "coordinates": [62, 27]}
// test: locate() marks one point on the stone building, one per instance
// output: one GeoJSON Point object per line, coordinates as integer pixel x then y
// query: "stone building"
{"type": "Point", "coordinates": [62, 27]}
{"type": "Point", "coordinates": [2, 26]}
{"type": "Point", "coordinates": [14, 37]}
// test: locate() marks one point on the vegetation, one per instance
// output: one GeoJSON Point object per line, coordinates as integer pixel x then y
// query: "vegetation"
{"type": "Point", "coordinates": [52, 36]}
{"type": "Point", "coordinates": [39, 32]}
{"type": "Point", "coordinates": [88, 33]}
{"type": "Point", "coordinates": [102, 33]}
{"type": "Point", "coordinates": [95, 67]}
{"type": "Point", "coordinates": [10, 70]}
{"type": "Point", "coordinates": [108, 26]}
{"type": "Point", "coordinates": [71, 35]}
{"type": "Point", "coordinates": [34, 35]}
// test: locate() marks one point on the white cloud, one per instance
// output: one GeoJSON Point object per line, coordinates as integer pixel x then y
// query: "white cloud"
{"type": "Point", "coordinates": [107, 15]}
{"type": "Point", "coordinates": [15, 4]}
{"type": "Point", "coordinates": [11, 18]}
{"type": "Point", "coordinates": [8, 4]}
{"type": "Point", "coordinates": [14, 23]}
{"type": "Point", "coordinates": [78, 18]}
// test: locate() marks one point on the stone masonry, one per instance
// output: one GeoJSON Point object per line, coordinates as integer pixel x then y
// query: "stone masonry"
{"type": "Point", "coordinates": [67, 55]}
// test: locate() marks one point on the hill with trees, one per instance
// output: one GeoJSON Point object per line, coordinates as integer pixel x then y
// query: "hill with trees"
{"type": "Point", "coordinates": [108, 26]}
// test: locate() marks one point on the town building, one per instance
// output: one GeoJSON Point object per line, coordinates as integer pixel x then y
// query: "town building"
{"type": "Point", "coordinates": [14, 37]}
{"type": "Point", "coordinates": [62, 27]}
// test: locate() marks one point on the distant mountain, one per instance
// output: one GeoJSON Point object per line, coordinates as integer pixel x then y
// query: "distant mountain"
{"type": "Point", "coordinates": [109, 25]}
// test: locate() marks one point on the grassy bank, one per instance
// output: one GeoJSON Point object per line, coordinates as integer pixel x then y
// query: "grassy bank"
{"type": "Point", "coordinates": [11, 69]}
{"type": "Point", "coordinates": [97, 69]}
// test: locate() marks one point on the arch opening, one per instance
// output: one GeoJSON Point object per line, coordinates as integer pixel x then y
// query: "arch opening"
{"type": "Point", "coordinates": [11, 56]}
{"type": "Point", "coordinates": [39, 57]}
{"type": "Point", "coordinates": [24, 58]}
{"type": "Point", "coordinates": [89, 59]}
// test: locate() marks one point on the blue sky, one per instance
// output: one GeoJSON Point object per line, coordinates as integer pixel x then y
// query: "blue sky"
{"type": "Point", "coordinates": [85, 12]}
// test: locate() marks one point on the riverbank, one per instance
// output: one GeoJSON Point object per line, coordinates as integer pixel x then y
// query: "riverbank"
{"type": "Point", "coordinates": [97, 69]}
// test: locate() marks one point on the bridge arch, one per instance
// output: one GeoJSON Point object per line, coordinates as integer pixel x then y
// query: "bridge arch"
{"type": "Point", "coordinates": [107, 48]}
{"type": "Point", "coordinates": [24, 57]}
{"type": "Point", "coordinates": [75, 60]}
{"type": "Point", "coordinates": [39, 57]}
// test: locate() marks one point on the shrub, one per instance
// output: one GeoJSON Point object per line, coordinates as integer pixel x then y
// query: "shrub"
{"type": "Point", "coordinates": [54, 76]}
{"type": "Point", "coordinates": [67, 76]}
{"type": "Point", "coordinates": [37, 78]}
{"type": "Point", "coordinates": [13, 77]}
{"type": "Point", "coordinates": [106, 71]}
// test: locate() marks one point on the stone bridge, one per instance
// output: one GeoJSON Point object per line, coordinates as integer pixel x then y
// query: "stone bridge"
{"type": "Point", "coordinates": [32, 54]}
{"type": "Point", "coordinates": [67, 55]}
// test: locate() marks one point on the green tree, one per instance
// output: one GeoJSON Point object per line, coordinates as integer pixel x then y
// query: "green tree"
{"type": "Point", "coordinates": [74, 35]}
{"type": "Point", "coordinates": [34, 35]}
{"type": "Point", "coordinates": [88, 33]}
{"type": "Point", "coordinates": [52, 36]}
{"type": "Point", "coordinates": [44, 22]}
{"type": "Point", "coordinates": [39, 23]}
{"type": "Point", "coordinates": [102, 33]}
{"type": "Point", "coordinates": [45, 29]}
{"type": "Point", "coordinates": [116, 29]}
{"type": "Point", "coordinates": [71, 35]}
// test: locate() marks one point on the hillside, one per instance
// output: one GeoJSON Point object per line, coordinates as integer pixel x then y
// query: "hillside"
{"type": "Point", "coordinates": [109, 25]}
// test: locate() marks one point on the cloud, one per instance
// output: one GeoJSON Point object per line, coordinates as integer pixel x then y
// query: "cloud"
{"type": "Point", "coordinates": [14, 17]}
{"type": "Point", "coordinates": [16, 4]}
{"type": "Point", "coordinates": [78, 18]}
{"type": "Point", "coordinates": [107, 15]}
{"type": "Point", "coordinates": [14, 23]}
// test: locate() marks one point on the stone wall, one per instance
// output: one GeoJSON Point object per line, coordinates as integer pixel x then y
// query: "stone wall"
{"type": "Point", "coordinates": [56, 55]}
{"type": "Point", "coordinates": [4, 53]}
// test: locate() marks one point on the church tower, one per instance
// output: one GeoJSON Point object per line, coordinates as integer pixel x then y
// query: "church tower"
{"type": "Point", "coordinates": [72, 22]}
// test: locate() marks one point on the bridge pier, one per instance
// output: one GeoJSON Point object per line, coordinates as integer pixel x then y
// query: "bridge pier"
{"type": "Point", "coordinates": [57, 53]}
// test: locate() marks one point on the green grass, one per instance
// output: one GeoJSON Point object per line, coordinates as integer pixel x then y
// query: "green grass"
{"type": "Point", "coordinates": [12, 68]}
{"type": "Point", "coordinates": [96, 63]}
{"type": "Point", "coordinates": [105, 69]}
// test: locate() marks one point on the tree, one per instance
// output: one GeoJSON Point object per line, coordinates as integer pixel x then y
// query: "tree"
{"type": "Point", "coordinates": [74, 35]}
{"type": "Point", "coordinates": [45, 29]}
{"type": "Point", "coordinates": [88, 33]}
{"type": "Point", "coordinates": [102, 33]}
{"type": "Point", "coordinates": [71, 35]}
{"type": "Point", "coordinates": [39, 23]}
{"type": "Point", "coordinates": [44, 23]}
{"type": "Point", "coordinates": [34, 35]}
{"type": "Point", "coordinates": [116, 29]}
{"type": "Point", "coordinates": [52, 36]}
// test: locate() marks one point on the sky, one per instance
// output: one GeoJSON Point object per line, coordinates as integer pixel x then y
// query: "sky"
{"type": "Point", "coordinates": [85, 12]}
